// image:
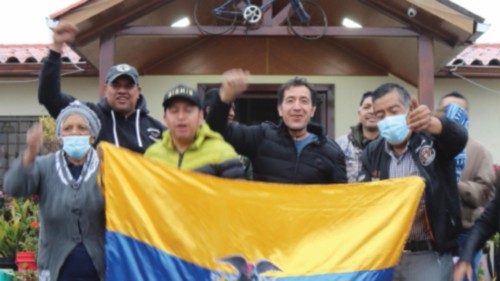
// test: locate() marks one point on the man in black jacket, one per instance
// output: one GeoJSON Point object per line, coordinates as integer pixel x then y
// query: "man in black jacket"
{"type": "Point", "coordinates": [415, 143]}
{"type": "Point", "coordinates": [123, 113]}
{"type": "Point", "coordinates": [294, 151]}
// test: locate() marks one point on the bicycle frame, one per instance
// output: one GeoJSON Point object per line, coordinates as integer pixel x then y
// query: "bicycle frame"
{"type": "Point", "coordinates": [222, 11]}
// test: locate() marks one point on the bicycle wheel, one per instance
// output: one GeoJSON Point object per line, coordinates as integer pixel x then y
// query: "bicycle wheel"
{"type": "Point", "coordinates": [215, 16]}
{"type": "Point", "coordinates": [317, 18]}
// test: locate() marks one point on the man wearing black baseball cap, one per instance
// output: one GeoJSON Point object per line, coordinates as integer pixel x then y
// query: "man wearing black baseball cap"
{"type": "Point", "coordinates": [189, 143]}
{"type": "Point", "coordinates": [181, 92]}
{"type": "Point", "coordinates": [125, 119]}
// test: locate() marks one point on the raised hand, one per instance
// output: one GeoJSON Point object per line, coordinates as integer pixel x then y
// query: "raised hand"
{"type": "Point", "coordinates": [420, 119]}
{"type": "Point", "coordinates": [63, 33]}
{"type": "Point", "coordinates": [234, 83]}
{"type": "Point", "coordinates": [34, 142]}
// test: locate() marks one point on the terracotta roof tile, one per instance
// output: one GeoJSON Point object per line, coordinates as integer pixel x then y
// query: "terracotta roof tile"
{"type": "Point", "coordinates": [31, 53]}
{"type": "Point", "coordinates": [474, 55]}
{"type": "Point", "coordinates": [26, 60]}
{"type": "Point", "coordinates": [478, 54]}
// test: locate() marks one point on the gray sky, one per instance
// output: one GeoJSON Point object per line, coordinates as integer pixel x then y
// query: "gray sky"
{"type": "Point", "coordinates": [22, 25]}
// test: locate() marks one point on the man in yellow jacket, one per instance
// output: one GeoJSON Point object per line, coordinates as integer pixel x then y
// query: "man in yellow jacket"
{"type": "Point", "coordinates": [189, 143]}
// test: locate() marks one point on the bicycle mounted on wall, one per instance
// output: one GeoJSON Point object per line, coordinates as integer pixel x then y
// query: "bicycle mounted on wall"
{"type": "Point", "coordinates": [221, 16]}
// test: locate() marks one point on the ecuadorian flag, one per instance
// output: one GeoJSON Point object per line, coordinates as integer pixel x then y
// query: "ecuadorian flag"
{"type": "Point", "coordinates": [165, 224]}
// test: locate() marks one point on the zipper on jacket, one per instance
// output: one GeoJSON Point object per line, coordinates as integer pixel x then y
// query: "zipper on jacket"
{"type": "Point", "coordinates": [179, 163]}
{"type": "Point", "coordinates": [296, 166]}
{"type": "Point", "coordinates": [297, 158]}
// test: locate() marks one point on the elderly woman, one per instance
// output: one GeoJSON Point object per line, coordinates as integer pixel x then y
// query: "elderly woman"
{"type": "Point", "coordinates": [71, 242]}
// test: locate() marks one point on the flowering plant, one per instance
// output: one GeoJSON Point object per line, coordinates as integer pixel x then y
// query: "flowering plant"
{"type": "Point", "coordinates": [18, 226]}
{"type": "Point", "coordinates": [29, 242]}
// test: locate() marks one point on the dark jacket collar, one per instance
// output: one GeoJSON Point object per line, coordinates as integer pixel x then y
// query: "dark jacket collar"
{"type": "Point", "coordinates": [312, 127]}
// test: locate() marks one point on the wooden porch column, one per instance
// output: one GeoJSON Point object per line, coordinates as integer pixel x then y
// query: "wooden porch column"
{"type": "Point", "coordinates": [426, 70]}
{"type": "Point", "coordinates": [106, 58]}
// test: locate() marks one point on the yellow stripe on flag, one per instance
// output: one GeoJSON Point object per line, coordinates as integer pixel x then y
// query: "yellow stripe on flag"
{"type": "Point", "coordinates": [305, 229]}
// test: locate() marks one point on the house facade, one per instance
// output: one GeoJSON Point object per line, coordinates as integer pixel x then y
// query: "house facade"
{"type": "Point", "coordinates": [426, 52]}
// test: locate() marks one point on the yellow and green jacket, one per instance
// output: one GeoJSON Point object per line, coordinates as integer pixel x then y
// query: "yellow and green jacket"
{"type": "Point", "coordinates": [208, 148]}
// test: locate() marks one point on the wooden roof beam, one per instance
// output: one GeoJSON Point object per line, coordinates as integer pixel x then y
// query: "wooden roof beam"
{"type": "Point", "coordinates": [436, 18]}
{"type": "Point", "coordinates": [470, 71]}
{"type": "Point", "coordinates": [107, 16]}
{"type": "Point", "coordinates": [426, 70]}
{"type": "Point", "coordinates": [332, 31]}
{"type": "Point", "coordinates": [281, 16]}
{"type": "Point", "coordinates": [106, 59]}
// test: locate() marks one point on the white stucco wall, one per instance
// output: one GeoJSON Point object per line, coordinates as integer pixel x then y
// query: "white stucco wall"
{"type": "Point", "coordinates": [20, 98]}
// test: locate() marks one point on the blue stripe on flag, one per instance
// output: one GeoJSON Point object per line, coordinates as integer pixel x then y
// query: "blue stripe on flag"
{"type": "Point", "coordinates": [130, 259]}
{"type": "Point", "coordinates": [375, 275]}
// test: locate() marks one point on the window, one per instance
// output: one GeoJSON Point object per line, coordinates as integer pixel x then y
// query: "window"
{"type": "Point", "coordinates": [12, 139]}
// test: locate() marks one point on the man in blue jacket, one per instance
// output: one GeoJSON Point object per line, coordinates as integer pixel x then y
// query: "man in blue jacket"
{"type": "Point", "coordinates": [415, 143]}
{"type": "Point", "coordinates": [125, 119]}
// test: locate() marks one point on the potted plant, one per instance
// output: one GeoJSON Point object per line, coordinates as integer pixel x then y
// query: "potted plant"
{"type": "Point", "coordinates": [19, 219]}
{"type": "Point", "coordinates": [10, 233]}
{"type": "Point", "coordinates": [26, 253]}
{"type": "Point", "coordinates": [6, 261]}
{"type": "Point", "coordinates": [16, 228]}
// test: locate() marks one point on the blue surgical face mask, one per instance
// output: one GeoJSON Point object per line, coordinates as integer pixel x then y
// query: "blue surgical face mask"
{"type": "Point", "coordinates": [394, 128]}
{"type": "Point", "coordinates": [76, 146]}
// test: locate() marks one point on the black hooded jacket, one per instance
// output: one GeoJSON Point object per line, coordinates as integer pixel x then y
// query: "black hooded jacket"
{"type": "Point", "coordinates": [135, 132]}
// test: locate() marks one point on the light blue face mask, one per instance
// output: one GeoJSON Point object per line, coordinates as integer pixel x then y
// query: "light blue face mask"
{"type": "Point", "coordinates": [76, 146]}
{"type": "Point", "coordinates": [394, 128]}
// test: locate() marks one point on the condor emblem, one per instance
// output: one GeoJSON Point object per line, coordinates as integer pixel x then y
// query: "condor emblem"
{"type": "Point", "coordinates": [246, 271]}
